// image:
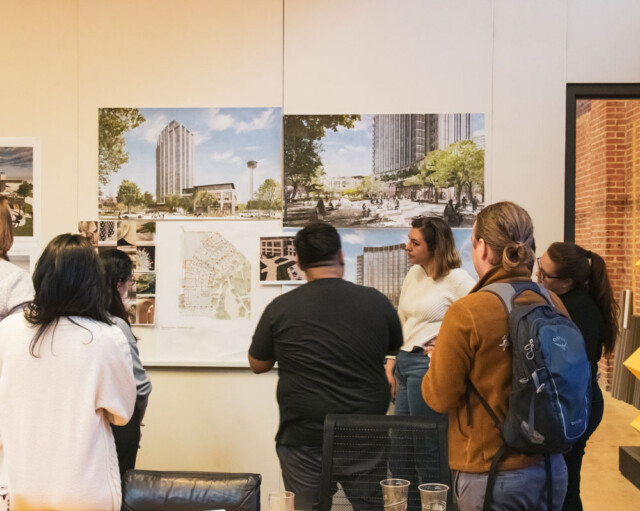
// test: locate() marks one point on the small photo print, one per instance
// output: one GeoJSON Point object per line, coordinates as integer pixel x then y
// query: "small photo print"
{"type": "Point", "coordinates": [127, 233]}
{"type": "Point", "coordinates": [89, 229]}
{"type": "Point", "coordinates": [145, 284]}
{"type": "Point", "coordinates": [107, 233]}
{"type": "Point", "coordinates": [131, 311]}
{"type": "Point", "coordinates": [146, 233]}
{"type": "Point", "coordinates": [278, 261]}
{"type": "Point", "coordinates": [145, 311]}
{"type": "Point", "coordinates": [145, 258]}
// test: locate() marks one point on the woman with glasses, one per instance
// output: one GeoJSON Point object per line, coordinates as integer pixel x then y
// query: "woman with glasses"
{"type": "Point", "coordinates": [16, 288]}
{"type": "Point", "coordinates": [579, 277]}
{"type": "Point", "coordinates": [432, 284]}
{"type": "Point", "coordinates": [66, 375]}
{"type": "Point", "coordinates": [119, 279]}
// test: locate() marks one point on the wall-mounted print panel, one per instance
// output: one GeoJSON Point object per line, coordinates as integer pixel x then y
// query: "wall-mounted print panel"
{"type": "Point", "coordinates": [278, 264]}
{"type": "Point", "coordinates": [382, 170]}
{"type": "Point", "coordinates": [20, 162]}
{"type": "Point", "coordinates": [190, 163]}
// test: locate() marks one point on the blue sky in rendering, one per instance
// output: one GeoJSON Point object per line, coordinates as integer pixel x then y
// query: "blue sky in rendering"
{"type": "Point", "coordinates": [224, 140]}
{"type": "Point", "coordinates": [349, 152]}
{"type": "Point", "coordinates": [17, 162]}
{"type": "Point", "coordinates": [353, 241]}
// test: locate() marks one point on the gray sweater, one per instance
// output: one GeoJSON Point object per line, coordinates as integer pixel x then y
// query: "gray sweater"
{"type": "Point", "coordinates": [143, 383]}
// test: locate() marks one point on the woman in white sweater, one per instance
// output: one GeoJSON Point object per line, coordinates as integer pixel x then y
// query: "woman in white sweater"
{"type": "Point", "coordinates": [15, 284]}
{"type": "Point", "coordinates": [65, 375]}
{"type": "Point", "coordinates": [432, 284]}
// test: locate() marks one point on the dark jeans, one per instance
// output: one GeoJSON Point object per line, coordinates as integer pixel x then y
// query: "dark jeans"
{"type": "Point", "coordinates": [573, 458]}
{"type": "Point", "coordinates": [359, 477]}
{"type": "Point", "coordinates": [127, 439]}
{"type": "Point", "coordinates": [410, 371]}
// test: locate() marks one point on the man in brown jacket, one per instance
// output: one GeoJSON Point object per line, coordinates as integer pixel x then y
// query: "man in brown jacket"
{"type": "Point", "coordinates": [472, 347]}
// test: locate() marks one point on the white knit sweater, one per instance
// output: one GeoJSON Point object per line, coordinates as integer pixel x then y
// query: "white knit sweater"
{"type": "Point", "coordinates": [56, 447]}
{"type": "Point", "coordinates": [424, 301]}
{"type": "Point", "coordinates": [15, 287]}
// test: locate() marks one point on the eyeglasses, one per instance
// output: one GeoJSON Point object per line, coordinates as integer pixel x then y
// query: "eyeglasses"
{"type": "Point", "coordinates": [543, 274]}
{"type": "Point", "coordinates": [133, 279]}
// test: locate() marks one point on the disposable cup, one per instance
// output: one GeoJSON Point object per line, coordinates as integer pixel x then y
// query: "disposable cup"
{"type": "Point", "coordinates": [433, 496]}
{"type": "Point", "coordinates": [281, 500]}
{"type": "Point", "coordinates": [394, 494]}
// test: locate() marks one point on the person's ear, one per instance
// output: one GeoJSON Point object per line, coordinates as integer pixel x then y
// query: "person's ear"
{"type": "Point", "coordinates": [341, 258]}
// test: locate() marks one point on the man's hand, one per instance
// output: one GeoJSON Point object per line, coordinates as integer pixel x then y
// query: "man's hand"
{"type": "Point", "coordinates": [389, 368]}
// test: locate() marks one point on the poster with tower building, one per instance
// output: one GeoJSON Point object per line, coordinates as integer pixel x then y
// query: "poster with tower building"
{"type": "Point", "coordinates": [363, 171]}
{"type": "Point", "coordinates": [190, 163]}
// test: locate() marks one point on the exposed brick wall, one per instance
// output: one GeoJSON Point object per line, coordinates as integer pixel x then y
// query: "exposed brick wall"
{"type": "Point", "coordinates": [604, 191]}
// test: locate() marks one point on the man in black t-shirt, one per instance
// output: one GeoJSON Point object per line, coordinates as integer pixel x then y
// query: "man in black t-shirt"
{"type": "Point", "coordinates": [330, 338]}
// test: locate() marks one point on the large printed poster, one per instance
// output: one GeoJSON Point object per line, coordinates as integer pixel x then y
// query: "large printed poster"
{"type": "Point", "coordinates": [209, 296]}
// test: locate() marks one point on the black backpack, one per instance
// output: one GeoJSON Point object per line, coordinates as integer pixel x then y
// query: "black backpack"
{"type": "Point", "coordinates": [550, 396]}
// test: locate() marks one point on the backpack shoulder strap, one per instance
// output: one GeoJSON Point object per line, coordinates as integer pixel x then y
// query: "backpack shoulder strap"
{"type": "Point", "coordinates": [505, 291]}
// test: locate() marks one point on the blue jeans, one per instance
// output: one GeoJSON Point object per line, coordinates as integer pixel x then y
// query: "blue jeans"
{"type": "Point", "coordinates": [573, 458]}
{"type": "Point", "coordinates": [410, 370]}
{"type": "Point", "coordinates": [524, 489]}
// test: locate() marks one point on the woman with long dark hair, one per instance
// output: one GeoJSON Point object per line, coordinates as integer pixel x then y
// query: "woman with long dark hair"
{"type": "Point", "coordinates": [118, 279]}
{"type": "Point", "coordinates": [66, 375]}
{"type": "Point", "coordinates": [579, 277]}
{"type": "Point", "coordinates": [15, 284]}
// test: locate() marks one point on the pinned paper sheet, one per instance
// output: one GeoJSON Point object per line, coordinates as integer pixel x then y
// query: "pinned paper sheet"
{"type": "Point", "coordinates": [633, 363]}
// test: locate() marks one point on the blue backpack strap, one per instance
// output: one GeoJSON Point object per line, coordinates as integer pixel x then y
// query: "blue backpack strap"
{"type": "Point", "coordinates": [520, 287]}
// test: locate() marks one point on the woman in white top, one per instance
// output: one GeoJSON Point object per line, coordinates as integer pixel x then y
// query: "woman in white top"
{"type": "Point", "coordinates": [15, 284]}
{"type": "Point", "coordinates": [432, 284]}
{"type": "Point", "coordinates": [65, 375]}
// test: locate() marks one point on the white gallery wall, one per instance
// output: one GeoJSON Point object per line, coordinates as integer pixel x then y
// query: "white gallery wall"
{"type": "Point", "coordinates": [509, 59]}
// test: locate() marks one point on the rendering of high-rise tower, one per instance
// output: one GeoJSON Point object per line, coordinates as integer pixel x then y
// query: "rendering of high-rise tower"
{"type": "Point", "coordinates": [383, 268]}
{"type": "Point", "coordinates": [174, 161]}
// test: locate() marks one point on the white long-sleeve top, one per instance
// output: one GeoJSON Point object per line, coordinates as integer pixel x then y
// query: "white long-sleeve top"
{"type": "Point", "coordinates": [56, 447]}
{"type": "Point", "coordinates": [424, 301]}
{"type": "Point", "coordinates": [16, 287]}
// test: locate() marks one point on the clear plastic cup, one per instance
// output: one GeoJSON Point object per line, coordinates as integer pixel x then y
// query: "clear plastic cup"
{"type": "Point", "coordinates": [281, 500]}
{"type": "Point", "coordinates": [433, 496]}
{"type": "Point", "coordinates": [394, 494]}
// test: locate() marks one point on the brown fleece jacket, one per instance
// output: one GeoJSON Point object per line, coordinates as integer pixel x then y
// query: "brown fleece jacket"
{"type": "Point", "coordinates": [470, 347]}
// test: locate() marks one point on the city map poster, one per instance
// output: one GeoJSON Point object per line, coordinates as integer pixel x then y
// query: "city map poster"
{"type": "Point", "coordinates": [209, 296]}
{"type": "Point", "coordinates": [381, 170]}
{"type": "Point", "coordinates": [190, 163]}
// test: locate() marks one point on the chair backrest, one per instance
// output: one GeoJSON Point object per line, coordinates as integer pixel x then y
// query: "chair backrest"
{"type": "Point", "coordinates": [361, 450]}
{"type": "Point", "coordinates": [146, 490]}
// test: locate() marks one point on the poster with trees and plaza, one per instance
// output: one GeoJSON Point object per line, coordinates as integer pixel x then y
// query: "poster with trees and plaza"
{"type": "Point", "coordinates": [382, 170]}
{"type": "Point", "coordinates": [187, 163]}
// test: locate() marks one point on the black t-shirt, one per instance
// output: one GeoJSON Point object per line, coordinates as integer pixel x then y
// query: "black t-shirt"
{"type": "Point", "coordinates": [329, 337]}
{"type": "Point", "coordinates": [584, 312]}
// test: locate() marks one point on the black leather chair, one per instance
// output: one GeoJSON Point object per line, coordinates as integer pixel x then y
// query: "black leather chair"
{"type": "Point", "coordinates": [146, 490]}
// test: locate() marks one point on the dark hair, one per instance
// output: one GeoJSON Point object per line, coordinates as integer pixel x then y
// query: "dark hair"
{"type": "Point", "coordinates": [584, 267]}
{"type": "Point", "coordinates": [317, 245]}
{"type": "Point", "coordinates": [439, 238]}
{"type": "Point", "coordinates": [117, 269]}
{"type": "Point", "coordinates": [68, 281]}
{"type": "Point", "coordinates": [507, 228]}
{"type": "Point", "coordinates": [6, 228]}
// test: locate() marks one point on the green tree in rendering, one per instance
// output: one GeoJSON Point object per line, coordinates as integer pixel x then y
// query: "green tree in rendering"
{"type": "Point", "coordinates": [25, 189]}
{"type": "Point", "coordinates": [148, 200]}
{"type": "Point", "coordinates": [171, 202]}
{"type": "Point", "coordinates": [302, 145]}
{"type": "Point", "coordinates": [129, 194]}
{"type": "Point", "coordinates": [426, 175]}
{"type": "Point", "coordinates": [113, 123]}
{"type": "Point", "coordinates": [269, 196]}
{"type": "Point", "coordinates": [369, 187]}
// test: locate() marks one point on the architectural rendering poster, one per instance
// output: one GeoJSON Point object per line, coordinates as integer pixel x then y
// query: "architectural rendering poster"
{"type": "Point", "coordinates": [382, 170]}
{"type": "Point", "coordinates": [377, 258]}
{"type": "Point", "coordinates": [178, 163]}
{"type": "Point", "coordinates": [137, 239]}
{"type": "Point", "coordinates": [19, 182]}
{"type": "Point", "coordinates": [278, 263]}
{"type": "Point", "coordinates": [210, 298]}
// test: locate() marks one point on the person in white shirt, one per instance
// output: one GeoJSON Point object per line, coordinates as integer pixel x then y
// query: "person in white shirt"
{"type": "Point", "coordinates": [16, 288]}
{"type": "Point", "coordinates": [65, 375]}
{"type": "Point", "coordinates": [432, 284]}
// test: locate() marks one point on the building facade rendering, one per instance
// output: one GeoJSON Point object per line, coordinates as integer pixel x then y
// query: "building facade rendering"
{"type": "Point", "coordinates": [383, 268]}
{"type": "Point", "coordinates": [174, 161]}
{"type": "Point", "coordinates": [223, 193]}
